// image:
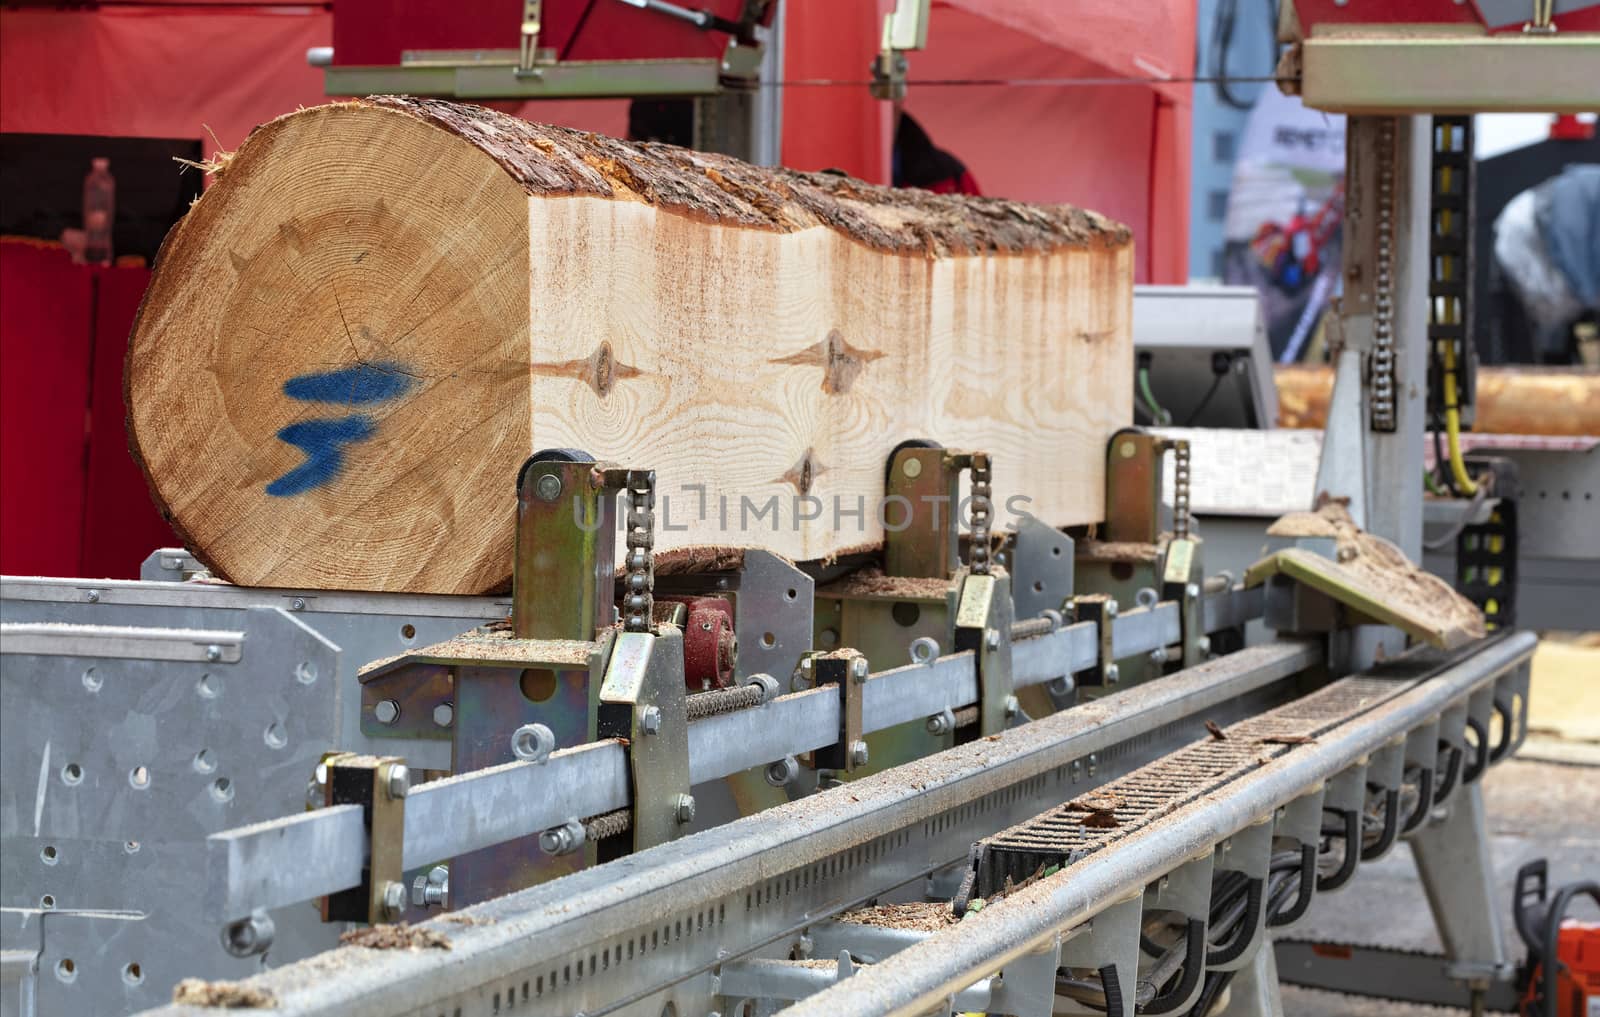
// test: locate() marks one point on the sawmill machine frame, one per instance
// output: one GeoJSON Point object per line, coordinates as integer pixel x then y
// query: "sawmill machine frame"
{"type": "Point", "coordinates": [671, 794]}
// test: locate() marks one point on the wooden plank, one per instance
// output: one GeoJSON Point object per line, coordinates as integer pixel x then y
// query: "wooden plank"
{"type": "Point", "coordinates": [381, 308]}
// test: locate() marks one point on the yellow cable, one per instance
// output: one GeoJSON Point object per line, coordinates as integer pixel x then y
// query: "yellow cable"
{"type": "Point", "coordinates": [1452, 423]}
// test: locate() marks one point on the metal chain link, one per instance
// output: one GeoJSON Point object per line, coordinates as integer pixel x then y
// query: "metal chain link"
{"type": "Point", "coordinates": [638, 600]}
{"type": "Point", "coordinates": [982, 515]}
{"type": "Point", "coordinates": [1383, 383]}
{"type": "Point", "coordinates": [1180, 489]}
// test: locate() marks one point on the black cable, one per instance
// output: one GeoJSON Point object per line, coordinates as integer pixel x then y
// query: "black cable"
{"type": "Point", "coordinates": [1205, 400]}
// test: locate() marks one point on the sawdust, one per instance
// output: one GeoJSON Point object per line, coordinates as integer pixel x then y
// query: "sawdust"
{"type": "Point", "coordinates": [492, 643]}
{"type": "Point", "coordinates": [1110, 550]}
{"type": "Point", "coordinates": [916, 915]}
{"type": "Point", "coordinates": [680, 561]}
{"type": "Point", "coordinates": [872, 582]}
{"type": "Point", "coordinates": [1380, 566]}
{"type": "Point", "coordinates": [400, 936]}
{"type": "Point", "coordinates": [222, 995]}
{"type": "Point", "coordinates": [462, 918]}
{"type": "Point", "coordinates": [816, 964]}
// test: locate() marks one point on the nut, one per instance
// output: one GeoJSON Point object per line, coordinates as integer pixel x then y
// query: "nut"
{"type": "Point", "coordinates": [684, 808]}
{"type": "Point", "coordinates": [399, 781]}
{"type": "Point", "coordinates": [650, 720]}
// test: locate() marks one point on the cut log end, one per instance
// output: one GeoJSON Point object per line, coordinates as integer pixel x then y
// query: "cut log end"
{"type": "Point", "coordinates": [356, 336]}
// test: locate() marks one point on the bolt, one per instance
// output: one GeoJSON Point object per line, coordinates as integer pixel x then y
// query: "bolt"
{"type": "Point", "coordinates": [172, 564]}
{"type": "Point", "coordinates": [1012, 706]}
{"type": "Point", "coordinates": [93, 596]}
{"type": "Point", "coordinates": [430, 890]}
{"type": "Point", "coordinates": [912, 468]}
{"type": "Point", "coordinates": [650, 720]}
{"type": "Point", "coordinates": [1111, 609]}
{"type": "Point", "coordinates": [783, 771]}
{"type": "Point", "coordinates": [1063, 686]}
{"type": "Point", "coordinates": [683, 808]}
{"type": "Point", "coordinates": [1192, 591]}
{"type": "Point", "coordinates": [858, 670]}
{"type": "Point", "coordinates": [941, 722]}
{"type": "Point", "coordinates": [1204, 644]}
{"type": "Point", "coordinates": [1158, 655]}
{"type": "Point", "coordinates": [443, 714]}
{"type": "Point", "coordinates": [1094, 763]}
{"type": "Point", "coordinates": [386, 711]}
{"type": "Point", "coordinates": [805, 945]}
{"type": "Point", "coordinates": [991, 639]}
{"type": "Point", "coordinates": [858, 754]}
{"type": "Point", "coordinates": [563, 839]}
{"type": "Point", "coordinates": [399, 781]}
{"type": "Point", "coordinates": [394, 898]}
{"type": "Point", "coordinates": [297, 604]}
{"type": "Point", "coordinates": [213, 653]}
{"type": "Point", "coordinates": [549, 487]}
{"type": "Point", "coordinates": [1113, 672]}
{"type": "Point", "coordinates": [1077, 770]}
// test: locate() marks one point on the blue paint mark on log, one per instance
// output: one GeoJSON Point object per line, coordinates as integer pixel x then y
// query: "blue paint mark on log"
{"type": "Point", "coordinates": [323, 442]}
{"type": "Point", "coordinates": [353, 386]}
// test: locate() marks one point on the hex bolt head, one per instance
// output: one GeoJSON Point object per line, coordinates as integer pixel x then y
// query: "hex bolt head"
{"type": "Point", "coordinates": [444, 714]}
{"type": "Point", "coordinates": [297, 604]}
{"type": "Point", "coordinates": [683, 808]}
{"type": "Point", "coordinates": [991, 639]}
{"type": "Point", "coordinates": [93, 596]}
{"type": "Point", "coordinates": [1192, 591]}
{"type": "Point", "coordinates": [1111, 609]}
{"type": "Point", "coordinates": [399, 781]}
{"type": "Point", "coordinates": [650, 720]}
{"type": "Point", "coordinates": [941, 722]}
{"type": "Point", "coordinates": [858, 754]}
{"type": "Point", "coordinates": [1113, 672]}
{"type": "Point", "coordinates": [213, 653]}
{"type": "Point", "coordinates": [394, 898]}
{"type": "Point", "coordinates": [1012, 706]}
{"type": "Point", "coordinates": [386, 711]}
{"type": "Point", "coordinates": [782, 771]}
{"type": "Point", "coordinates": [858, 670]}
{"type": "Point", "coordinates": [549, 487]}
{"type": "Point", "coordinates": [1203, 644]}
{"type": "Point", "coordinates": [563, 839]}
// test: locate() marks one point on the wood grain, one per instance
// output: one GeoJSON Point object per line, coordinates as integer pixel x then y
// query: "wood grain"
{"type": "Point", "coordinates": [381, 308]}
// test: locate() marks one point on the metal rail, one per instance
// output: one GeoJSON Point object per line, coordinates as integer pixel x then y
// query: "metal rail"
{"type": "Point", "coordinates": [922, 977]}
{"type": "Point", "coordinates": [660, 921]}
{"type": "Point", "coordinates": [312, 854]}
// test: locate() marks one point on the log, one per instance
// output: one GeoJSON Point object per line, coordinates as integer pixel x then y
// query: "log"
{"type": "Point", "coordinates": [1552, 401]}
{"type": "Point", "coordinates": [380, 308]}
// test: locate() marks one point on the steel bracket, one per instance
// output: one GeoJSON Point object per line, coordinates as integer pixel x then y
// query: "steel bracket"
{"type": "Point", "coordinates": [379, 784]}
{"type": "Point", "coordinates": [642, 701]}
{"type": "Point", "coordinates": [1102, 610]}
{"type": "Point", "coordinates": [847, 671]}
{"type": "Point", "coordinates": [562, 586]}
{"type": "Point", "coordinates": [983, 625]}
{"type": "Point", "coordinates": [1182, 579]}
{"type": "Point", "coordinates": [1248, 852]}
{"type": "Point", "coordinates": [1110, 949]}
{"type": "Point", "coordinates": [923, 481]}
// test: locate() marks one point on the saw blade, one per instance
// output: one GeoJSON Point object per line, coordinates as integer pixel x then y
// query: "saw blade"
{"type": "Point", "coordinates": [1380, 972]}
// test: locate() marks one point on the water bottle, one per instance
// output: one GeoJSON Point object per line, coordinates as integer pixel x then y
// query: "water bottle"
{"type": "Point", "coordinates": [99, 212]}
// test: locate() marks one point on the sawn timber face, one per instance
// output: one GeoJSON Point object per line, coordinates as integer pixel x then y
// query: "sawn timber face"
{"type": "Point", "coordinates": [375, 313]}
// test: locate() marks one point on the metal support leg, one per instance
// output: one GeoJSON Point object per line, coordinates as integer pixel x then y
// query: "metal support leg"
{"type": "Point", "coordinates": [1254, 992]}
{"type": "Point", "coordinates": [1458, 875]}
